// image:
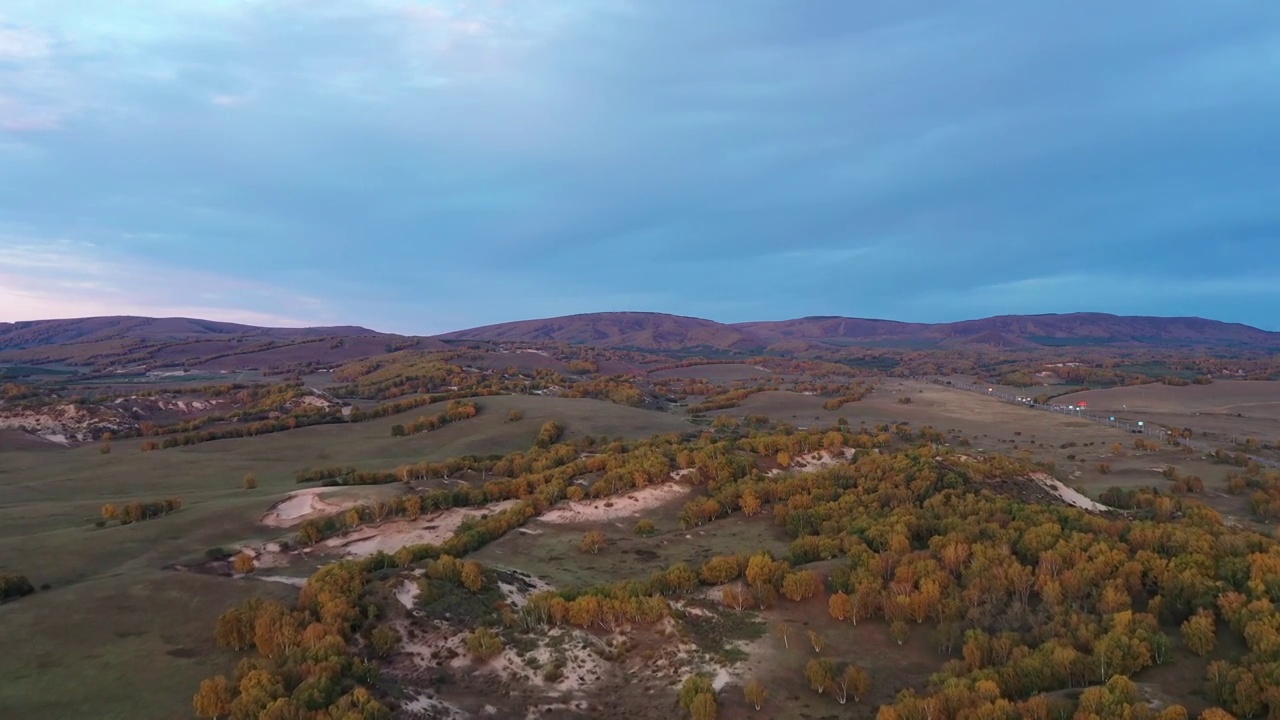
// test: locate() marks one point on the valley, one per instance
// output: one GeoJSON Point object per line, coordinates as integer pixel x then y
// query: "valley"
{"type": "Point", "coordinates": [598, 530]}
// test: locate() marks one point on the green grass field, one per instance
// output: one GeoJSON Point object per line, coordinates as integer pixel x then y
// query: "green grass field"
{"type": "Point", "coordinates": [118, 636]}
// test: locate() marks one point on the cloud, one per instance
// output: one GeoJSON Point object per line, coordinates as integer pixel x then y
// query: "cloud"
{"type": "Point", "coordinates": [23, 44]}
{"type": "Point", "coordinates": [68, 279]}
{"type": "Point", "coordinates": [427, 165]}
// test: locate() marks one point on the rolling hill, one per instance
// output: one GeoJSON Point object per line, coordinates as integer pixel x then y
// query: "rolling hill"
{"type": "Point", "coordinates": [125, 341]}
{"type": "Point", "coordinates": [640, 330]}
{"type": "Point", "coordinates": [221, 345]}
{"type": "Point", "coordinates": [657, 331]}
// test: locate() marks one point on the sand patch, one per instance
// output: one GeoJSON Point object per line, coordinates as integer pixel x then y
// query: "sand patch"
{"type": "Point", "coordinates": [390, 536]}
{"type": "Point", "coordinates": [819, 460]}
{"type": "Point", "coordinates": [408, 593]}
{"type": "Point", "coordinates": [294, 581]}
{"type": "Point", "coordinates": [302, 505]}
{"type": "Point", "coordinates": [628, 505]}
{"type": "Point", "coordinates": [1069, 495]}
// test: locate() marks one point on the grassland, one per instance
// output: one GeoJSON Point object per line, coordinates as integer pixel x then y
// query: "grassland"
{"type": "Point", "coordinates": [136, 638]}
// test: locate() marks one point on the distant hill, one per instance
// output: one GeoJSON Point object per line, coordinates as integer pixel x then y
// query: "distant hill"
{"type": "Point", "coordinates": [658, 331]}
{"type": "Point", "coordinates": [115, 342]}
{"type": "Point", "coordinates": [643, 330]}
{"type": "Point", "coordinates": [125, 341]}
{"type": "Point", "coordinates": [39, 333]}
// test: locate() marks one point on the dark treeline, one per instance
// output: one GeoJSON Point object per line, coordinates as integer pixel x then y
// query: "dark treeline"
{"type": "Point", "coordinates": [136, 511]}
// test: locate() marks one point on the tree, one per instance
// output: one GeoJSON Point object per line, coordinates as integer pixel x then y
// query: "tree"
{"type": "Point", "coordinates": [105, 448]}
{"type": "Point", "coordinates": [550, 432]}
{"type": "Point", "coordinates": [110, 511]}
{"type": "Point", "coordinates": [755, 693]}
{"type": "Point", "coordinates": [472, 576]}
{"type": "Point", "coordinates": [783, 630]}
{"type": "Point", "coordinates": [398, 430]}
{"type": "Point", "coordinates": [484, 644]}
{"type": "Point", "coordinates": [693, 687]}
{"type": "Point", "coordinates": [592, 542]}
{"type": "Point", "coordinates": [820, 674]}
{"type": "Point", "coordinates": [515, 416]}
{"type": "Point", "coordinates": [736, 597]}
{"type": "Point", "coordinates": [797, 586]}
{"type": "Point", "coordinates": [384, 640]}
{"type": "Point", "coordinates": [242, 563]}
{"type": "Point", "coordinates": [840, 606]}
{"type": "Point", "coordinates": [719, 570]}
{"type": "Point", "coordinates": [899, 631]}
{"type": "Point", "coordinates": [1198, 633]}
{"type": "Point", "coordinates": [213, 699]}
{"type": "Point", "coordinates": [855, 682]}
{"type": "Point", "coordinates": [645, 528]}
{"type": "Point", "coordinates": [250, 482]}
{"type": "Point", "coordinates": [703, 707]}
{"type": "Point", "coordinates": [817, 641]}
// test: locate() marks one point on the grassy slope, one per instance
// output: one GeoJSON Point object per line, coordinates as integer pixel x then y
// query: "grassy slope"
{"type": "Point", "coordinates": [117, 636]}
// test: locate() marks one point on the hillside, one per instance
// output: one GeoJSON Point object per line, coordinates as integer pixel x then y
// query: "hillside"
{"type": "Point", "coordinates": [40, 333]}
{"type": "Point", "coordinates": [124, 341]}
{"type": "Point", "coordinates": [1026, 331]}
{"type": "Point", "coordinates": [657, 331]}
{"type": "Point", "coordinates": [650, 331]}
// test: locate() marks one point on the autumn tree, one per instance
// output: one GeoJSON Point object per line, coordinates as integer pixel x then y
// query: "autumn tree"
{"type": "Point", "coordinates": [242, 563]}
{"type": "Point", "coordinates": [899, 631]}
{"type": "Point", "coordinates": [484, 644]}
{"type": "Point", "coordinates": [817, 641]}
{"type": "Point", "coordinates": [110, 511]}
{"type": "Point", "coordinates": [592, 541]}
{"type": "Point", "coordinates": [213, 699]}
{"type": "Point", "coordinates": [472, 576]}
{"type": "Point", "coordinates": [783, 630]}
{"type": "Point", "coordinates": [1198, 633]}
{"type": "Point", "coordinates": [694, 687]}
{"type": "Point", "coordinates": [797, 586]}
{"type": "Point", "coordinates": [854, 682]}
{"type": "Point", "coordinates": [645, 528]}
{"type": "Point", "coordinates": [703, 707]}
{"type": "Point", "coordinates": [719, 570]}
{"type": "Point", "coordinates": [755, 693]}
{"type": "Point", "coordinates": [250, 482]}
{"type": "Point", "coordinates": [840, 606]}
{"type": "Point", "coordinates": [550, 432]}
{"type": "Point", "coordinates": [821, 674]}
{"type": "Point", "coordinates": [736, 597]}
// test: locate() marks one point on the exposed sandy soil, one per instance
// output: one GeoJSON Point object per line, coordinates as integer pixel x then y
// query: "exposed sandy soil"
{"type": "Point", "coordinates": [408, 593]}
{"type": "Point", "coordinates": [1069, 495]}
{"type": "Point", "coordinates": [302, 505]}
{"type": "Point", "coordinates": [628, 505]}
{"type": "Point", "coordinates": [814, 461]}
{"type": "Point", "coordinates": [391, 536]}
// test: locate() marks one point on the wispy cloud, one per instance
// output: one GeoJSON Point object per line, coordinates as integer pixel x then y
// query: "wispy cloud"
{"type": "Point", "coordinates": [71, 279]}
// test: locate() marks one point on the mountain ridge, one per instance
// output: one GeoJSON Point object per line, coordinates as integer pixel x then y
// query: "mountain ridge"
{"type": "Point", "coordinates": [667, 332]}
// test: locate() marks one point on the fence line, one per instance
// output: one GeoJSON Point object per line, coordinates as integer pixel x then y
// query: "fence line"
{"type": "Point", "coordinates": [1129, 425]}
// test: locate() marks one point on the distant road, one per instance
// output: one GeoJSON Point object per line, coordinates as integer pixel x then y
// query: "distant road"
{"type": "Point", "coordinates": [1127, 424]}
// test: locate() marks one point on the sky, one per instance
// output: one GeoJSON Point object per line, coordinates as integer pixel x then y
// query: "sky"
{"type": "Point", "coordinates": [418, 167]}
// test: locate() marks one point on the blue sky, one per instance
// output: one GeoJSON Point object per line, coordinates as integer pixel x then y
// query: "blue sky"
{"type": "Point", "coordinates": [421, 166]}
